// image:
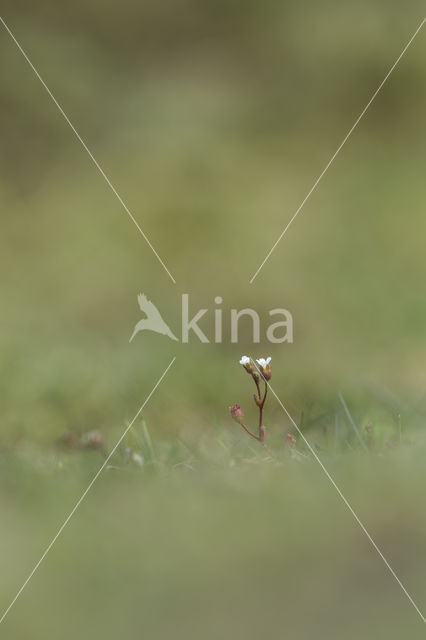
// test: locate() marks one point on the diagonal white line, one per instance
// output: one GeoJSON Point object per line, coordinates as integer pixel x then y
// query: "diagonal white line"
{"type": "Point", "coordinates": [333, 157]}
{"type": "Point", "coordinates": [80, 500]}
{"type": "Point", "coordinates": [314, 453]}
{"type": "Point", "coordinates": [90, 154]}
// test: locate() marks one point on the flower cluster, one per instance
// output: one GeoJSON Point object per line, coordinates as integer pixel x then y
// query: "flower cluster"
{"type": "Point", "coordinates": [259, 372]}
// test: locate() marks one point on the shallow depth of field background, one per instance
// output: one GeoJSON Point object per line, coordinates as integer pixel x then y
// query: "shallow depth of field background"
{"type": "Point", "coordinates": [212, 120]}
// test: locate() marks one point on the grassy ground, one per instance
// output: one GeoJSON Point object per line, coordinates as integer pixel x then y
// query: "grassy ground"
{"type": "Point", "coordinates": [214, 538]}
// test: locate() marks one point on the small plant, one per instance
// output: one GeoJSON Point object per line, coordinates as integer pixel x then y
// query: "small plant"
{"type": "Point", "coordinates": [260, 373]}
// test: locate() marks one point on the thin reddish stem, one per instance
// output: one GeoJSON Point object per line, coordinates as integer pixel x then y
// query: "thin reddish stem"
{"type": "Point", "coordinates": [260, 402]}
{"type": "Point", "coordinates": [256, 382]}
{"type": "Point", "coordinates": [249, 432]}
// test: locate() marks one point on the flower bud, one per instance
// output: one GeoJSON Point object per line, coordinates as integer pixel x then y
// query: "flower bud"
{"type": "Point", "coordinates": [92, 440]}
{"type": "Point", "coordinates": [236, 413]}
{"type": "Point", "coordinates": [291, 440]}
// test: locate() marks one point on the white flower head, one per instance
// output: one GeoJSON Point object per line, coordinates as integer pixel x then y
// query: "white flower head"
{"type": "Point", "coordinates": [247, 364]}
{"type": "Point", "coordinates": [263, 363]}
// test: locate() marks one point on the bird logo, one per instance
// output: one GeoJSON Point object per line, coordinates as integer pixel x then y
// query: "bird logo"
{"type": "Point", "coordinates": [153, 320]}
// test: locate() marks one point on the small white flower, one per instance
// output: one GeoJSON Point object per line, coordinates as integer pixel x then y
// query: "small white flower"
{"type": "Point", "coordinates": [263, 363]}
{"type": "Point", "coordinates": [245, 360]}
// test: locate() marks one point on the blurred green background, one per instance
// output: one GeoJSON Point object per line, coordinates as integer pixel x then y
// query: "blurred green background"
{"type": "Point", "coordinates": [212, 120]}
